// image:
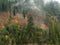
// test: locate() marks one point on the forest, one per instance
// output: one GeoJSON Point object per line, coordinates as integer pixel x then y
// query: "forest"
{"type": "Point", "coordinates": [29, 22]}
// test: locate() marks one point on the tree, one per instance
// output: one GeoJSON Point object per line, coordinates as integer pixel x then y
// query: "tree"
{"type": "Point", "coordinates": [12, 7]}
{"type": "Point", "coordinates": [30, 30]}
{"type": "Point", "coordinates": [14, 10]}
{"type": "Point", "coordinates": [3, 5]}
{"type": "Point", "coordinates": [52, 8]}
{"type": "Point", "coordinates": [39, 4]}
{"type": "Point", "coordinates": [24, 13]}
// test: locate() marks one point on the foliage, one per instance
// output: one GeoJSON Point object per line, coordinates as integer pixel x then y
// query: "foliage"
{"type": "Point", "coordinates": [3, 5]}
{"type": "Point", "coordinates": [52, 8]}
{"type": "Point", "coordinates": [53, 30]}
{"type": "Point", "coordinates": [16, 34]}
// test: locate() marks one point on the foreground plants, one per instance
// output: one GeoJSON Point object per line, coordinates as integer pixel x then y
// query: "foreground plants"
{"type": "Point", "coordinates": [20, 34]}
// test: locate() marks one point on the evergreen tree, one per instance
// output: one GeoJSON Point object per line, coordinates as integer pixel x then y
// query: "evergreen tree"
{"type": "Point", "coordinates": [24, 13]}
{"type": "Point", "coordinates": [15, 11]}
{"type": "Point", "coordinates": [30, 30]}
{"type": "Point", "coordinates": [52, 8]}
{"type": "Point", "coordinates": [3, 5]}
{"type": "Point", "coordinates": [30, 22]}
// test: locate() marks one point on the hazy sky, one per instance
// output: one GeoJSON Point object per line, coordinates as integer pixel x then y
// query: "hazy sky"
{"type": "Point", "coordinates": [53, 0]}
{"type": "Point", "coordinates": [58, 0]}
